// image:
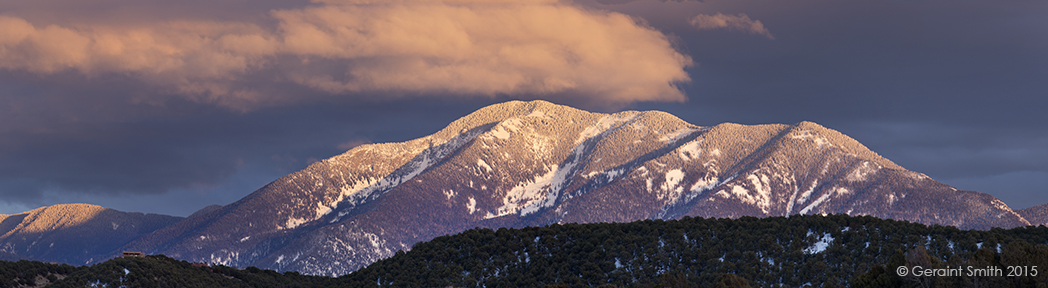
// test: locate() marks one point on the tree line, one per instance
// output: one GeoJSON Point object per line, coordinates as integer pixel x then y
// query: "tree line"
{"type": "Point", "coordinates": [796, 251]}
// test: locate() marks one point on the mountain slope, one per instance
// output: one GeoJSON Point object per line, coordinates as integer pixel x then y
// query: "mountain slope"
{"type": "Point", "coordinates": [75, 233]}
{"type": "Point", "coordinates": [1037, 215]}
{"type": "Point", "coordinates": [520, 164]}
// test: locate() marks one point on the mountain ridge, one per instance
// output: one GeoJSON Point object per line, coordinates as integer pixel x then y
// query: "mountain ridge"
{"type": "Point", "coordinates": [75, 233]}
{"type": "Point", "coordinates": [1036, 215]}
{"type": "Point", "coordinates": [519, 164]}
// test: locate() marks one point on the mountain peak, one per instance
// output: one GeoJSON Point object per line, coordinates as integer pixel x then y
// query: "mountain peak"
{"type": "Point", "coordinates": [74, 233]}
{"type": "Point", "coordinates": [519, 164]}
{"type": "Point", "coordinates": [53, 217]}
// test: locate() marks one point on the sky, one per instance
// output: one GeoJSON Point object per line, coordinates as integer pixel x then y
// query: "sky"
{"type": "Point", "coordinates": [169, 106]}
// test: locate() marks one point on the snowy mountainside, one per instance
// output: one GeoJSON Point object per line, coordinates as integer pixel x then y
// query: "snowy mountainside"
{"type": "Point", "coordinates": [1037, 215]}
{"type": "Point", "coordinates": [75, 233]}
{"type": "Point", "coordinates": [519, 164]}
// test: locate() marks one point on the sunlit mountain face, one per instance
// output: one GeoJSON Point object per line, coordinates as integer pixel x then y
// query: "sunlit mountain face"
{"type": "Point", "coordinates": [78, 234]}
{"type": "Point", "coordinates": [519, 164]}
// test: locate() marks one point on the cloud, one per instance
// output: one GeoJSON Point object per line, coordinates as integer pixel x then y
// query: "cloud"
{"type": "Point", "coordinates": [616, 2]}
{"type": "Point", "coordinates": [419, 47]}
{"type": "Point", "coordinates": [739, 22]}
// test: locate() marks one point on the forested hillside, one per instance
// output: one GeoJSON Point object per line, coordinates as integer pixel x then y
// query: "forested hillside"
{"type": "Point", "coordinates": [162, 271]}
{"type": "Point", "coordinates": [821, 251]}
{"type": "Point", "coordinates": [799, 251]}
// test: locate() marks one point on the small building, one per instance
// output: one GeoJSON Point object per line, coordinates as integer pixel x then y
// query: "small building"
{"type": "Point", "coordinates": [134, 254]}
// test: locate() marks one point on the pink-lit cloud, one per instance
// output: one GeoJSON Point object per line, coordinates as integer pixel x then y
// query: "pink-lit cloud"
{"type": "Point", "coordinates": [739, 22]}
{"type": "Point", "coordinates": [423, 47]}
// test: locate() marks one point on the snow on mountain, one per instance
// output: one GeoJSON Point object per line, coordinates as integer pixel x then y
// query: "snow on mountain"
{"type": "Point", "coordinates": [1037, 215]}
{"type": "Point", "coordinates": [75, 233]}
{"type": "Point", "coordinates": [521, 164]}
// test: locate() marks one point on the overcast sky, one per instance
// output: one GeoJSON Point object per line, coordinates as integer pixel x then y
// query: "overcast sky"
{"type": "Point", "coordinates": [169, 106]}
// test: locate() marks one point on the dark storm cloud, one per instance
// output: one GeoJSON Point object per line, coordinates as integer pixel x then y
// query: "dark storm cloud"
{"type": "Point", "coordinates": [174, 155]}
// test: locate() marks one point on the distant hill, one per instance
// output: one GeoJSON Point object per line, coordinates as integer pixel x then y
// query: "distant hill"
{"type": "Point", "coordinates": [519, 164]}
{"type": "Point", "coordinates": [1037, 215]}
{"type": "Point", "coordinates": [74, 233]}
{"type": "Point", "coordinates": [8, 256]}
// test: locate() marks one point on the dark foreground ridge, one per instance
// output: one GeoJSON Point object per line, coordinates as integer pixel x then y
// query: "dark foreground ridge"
{"type": "Point", "coordinates": [798, 251]}
{"type": "Point", "coordinates": [820, 251]}
{"type": "Point", "coordinates": [149, 271]}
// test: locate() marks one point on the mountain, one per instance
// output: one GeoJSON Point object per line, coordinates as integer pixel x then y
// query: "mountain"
{"type": "Point", "coordinates": [1037, 215]}
{"type": "Point", "coordinates": [74, 233]}
{"type": "Point", "coordinates": [518, 164]}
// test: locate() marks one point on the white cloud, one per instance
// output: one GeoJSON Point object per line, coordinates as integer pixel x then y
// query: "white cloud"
{"type": "Point", "coordinates": [739, 22]}
{"type": "Point", "coordinates": [426, 47]}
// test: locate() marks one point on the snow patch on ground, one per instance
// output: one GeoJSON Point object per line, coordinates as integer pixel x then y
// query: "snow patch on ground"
{"type": "Point", "coordinates": [806, 134]}
{"type": "Point", "coordinates": [723, 194]}
{"type": "Point", "coordinates": [763, 188]}
{"type": "Point", "coordinates": [526, 193]}
{"type": "Point", "coordinates": [363, 190]}
{"type": "Point", "coordinates": [741, 193]}
{"type": "Point", "coordinates": [604, 124]}
{"type": "Point", "coordinates": [824, 242]}
{"type": "Point", "coordinates": [793, 199]}
{"type": "Point", "coordinates": [815, 203]}
{"type": "Point", "coordinates": [807, 193]}
{"type": "Point", "coordinates": [690, 151]}
{"type": "Point", "coordinates": [472, 206]}
{"type": "Point", "coordinates": [505, 129]}
{"type": "Point", "coordinates": [543, 190]}
{"type": "Point", "coordinates": [671, 187]}
{"type": "Point", "coordinates": [676, 135]}
{"type": "Point", "coordinates": [704, 184]}
{"type": "Point", "coordinates": [861, 172]}
{"type": "Point", "coordinates": [841, 190]}
{"type": "Point", "coordinates": [293, 222]}
{"type": "Point", "coordinates": [610, 174]}
{"type": "Point", "coordinates": [762, 196]}
{"type": "Point", "coordinates": [484, 165]}
{"type": "Point", "coordinates": [224, 257]}
{"type": "Point", "coordinates": [836, 190]}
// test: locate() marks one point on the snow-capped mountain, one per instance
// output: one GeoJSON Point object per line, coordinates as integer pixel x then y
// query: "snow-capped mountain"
{"type": "Point", "coordinates": [75, 233]}
{"type": "Point", "coordinates": [521, 164]}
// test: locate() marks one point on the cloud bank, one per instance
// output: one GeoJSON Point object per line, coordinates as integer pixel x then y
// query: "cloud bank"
{"type": "Point", "coordinates": [421, 47]}
{"type": "Point", "coordinates": [739, 22]}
